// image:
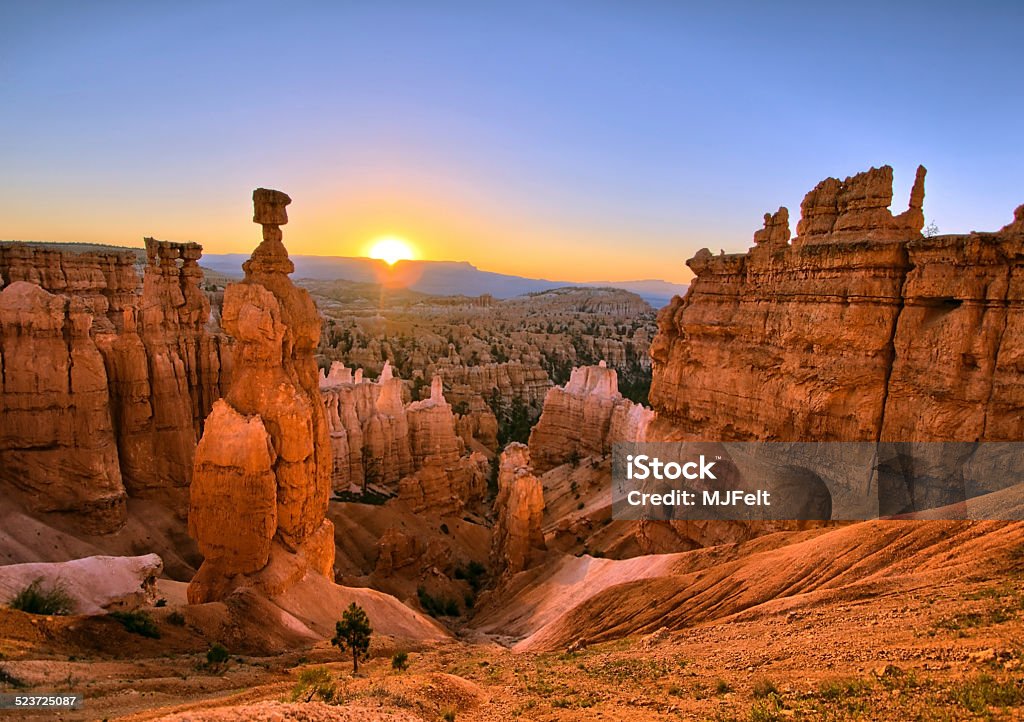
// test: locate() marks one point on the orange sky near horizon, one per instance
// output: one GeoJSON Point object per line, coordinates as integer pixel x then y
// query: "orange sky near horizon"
{"type": "Point", "coordinates": [347, 223]}
{"type": "Point", "coordinates": [626, 139]}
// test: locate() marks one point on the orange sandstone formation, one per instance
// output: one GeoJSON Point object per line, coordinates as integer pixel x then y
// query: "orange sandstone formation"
{"type": "Point", "coordinates": [414, 447]}
{"type": "Point", "coordinates": [368, 427]}
{"type": "Point", "coordinates": [57, 442]}
{"type": "Point", "coordinates": [165, 373]}
{"type": "Point", "coordinates": [584, 418]}
{"type": "Point", "coordinates": [262, 470]}
{"type": "Point", "coordinates": [861, 329]}
{"type": "Point", "coordinates": [518, 539]}
{"type": "Point", "coordinates": [115, 379]}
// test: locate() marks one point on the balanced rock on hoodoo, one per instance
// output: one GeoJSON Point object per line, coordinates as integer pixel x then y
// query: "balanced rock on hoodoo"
{"type": "Point", "coordinates": [261, 482]}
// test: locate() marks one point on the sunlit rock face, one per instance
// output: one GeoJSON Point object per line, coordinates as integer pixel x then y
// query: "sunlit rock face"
{"type": "Point", "coordinates": [415, 449]}
{"type": "Point", "coordinates": [262, 470]}
{"type": "Point", "coordinates": [57, 442]}
{"type": "Point", "coordinates": [858, 329]}
{"type": "Point", "coordinates": [106, 377]}
{"type": "Point", "coordinates": [584, 418]}
{"type": "Point", "coordinates": [518, 539]}
{"type": "Point", "coordinates": [166, 370]}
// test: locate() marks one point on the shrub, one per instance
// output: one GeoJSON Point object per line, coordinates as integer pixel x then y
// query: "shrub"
{"type": "Point", "coordinates": [400, 661]}
{"type": "Point", "coordinates": [448, 715]}
{"type": "Point", "coordinates": [34, 600]}
{"type": "Point", "coordinates": [315, 682]}
{"type": "Point", "coordinates": [217, 655]}
{"type": "Point", "coordinates": [837, 689]}
{"type": "Point", "coordinates": [722, 687]}
{"type": "Point", "coordinates": [979, 693]}
{"type": "Point", "coordinates": [763, 688]}
{"type": "Point", "coordinates": [176, 618]}
{"type": "Point", "coordinates": [437, 606]}
{"type": "Point", "coordinates": [766, 710]}
{"type": "Point", "coordinates": [474, 573]}
{"type": "Point", "coordinates": [137, 623]}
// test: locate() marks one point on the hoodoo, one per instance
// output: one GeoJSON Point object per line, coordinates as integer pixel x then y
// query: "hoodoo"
{"type": "Point", "coordinates": [262, 472]}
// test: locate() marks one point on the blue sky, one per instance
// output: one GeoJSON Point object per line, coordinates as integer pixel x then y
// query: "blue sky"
{"type": "Point", "coordinates": [560, 139]}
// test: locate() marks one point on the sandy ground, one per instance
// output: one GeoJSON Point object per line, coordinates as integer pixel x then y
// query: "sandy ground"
{"type": "Point", "coordinates": [949, 651]}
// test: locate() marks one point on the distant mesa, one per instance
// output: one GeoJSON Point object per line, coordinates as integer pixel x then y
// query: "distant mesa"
{"type": "Point", "coordinates": [443, 278]}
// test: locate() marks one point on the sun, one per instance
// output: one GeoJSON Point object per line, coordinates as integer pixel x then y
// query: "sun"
{"type": "Point", "coordinates": [391, 250]}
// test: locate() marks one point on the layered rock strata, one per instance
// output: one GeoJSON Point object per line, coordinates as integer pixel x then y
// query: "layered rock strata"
{"type": "Point", "coordinates": [165, 369]}
{"type": "Point", "coordinates": [57, 440]}
{"type": "Point", "coordinates": [105, 383]}
{"type": "Point", "coordinates": [376, 438]}
{"type": "Point", "coordinates": [860, 329]}
{"type": "Point", "coordinates": [518, 538]}
{"type": "Point", "coordinates": [584, 418]}
{"type": "Point", "coordinates": [368, 427]}
{"type": "Point", "coordinates": [527, 382]}
{"type": "Point", "coordinates": [445, 480]}
{"type": "Point", "coordinates": [262, 469]}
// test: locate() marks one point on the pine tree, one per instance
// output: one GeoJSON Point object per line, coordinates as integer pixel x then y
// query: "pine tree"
{"type": "Point", "coordinates": [353, 633]}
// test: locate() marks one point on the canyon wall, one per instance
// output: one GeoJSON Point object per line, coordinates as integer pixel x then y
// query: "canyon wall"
{"type": "Point", "coordinates": [525, 381]}
{"type": "Point", "coordinates": [858, 329]}
{"type": "Point", "coordinates": [105, 383]}
{"type": "Point", "coordinates": [261, 484]}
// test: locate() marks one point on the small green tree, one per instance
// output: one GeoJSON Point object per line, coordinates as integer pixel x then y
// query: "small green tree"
{"type": "Point", "coordinates": [353, 633]}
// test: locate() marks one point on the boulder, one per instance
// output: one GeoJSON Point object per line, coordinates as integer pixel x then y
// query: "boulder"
{"type": "Point", "coordinates": [96, 585]}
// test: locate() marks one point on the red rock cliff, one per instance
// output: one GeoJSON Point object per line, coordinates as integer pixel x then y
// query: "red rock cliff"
{"type": "Point", "coordinates": [114, 378]}
{"type": "Point", "coordinates": [858, 329]}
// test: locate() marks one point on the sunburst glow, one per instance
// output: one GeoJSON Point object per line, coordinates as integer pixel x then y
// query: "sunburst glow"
{"type": "Point", "coordinates": [391, 250]}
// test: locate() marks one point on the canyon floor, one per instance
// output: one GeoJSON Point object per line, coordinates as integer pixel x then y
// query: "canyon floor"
{"type": "Point", "coordinates": [927, 645]}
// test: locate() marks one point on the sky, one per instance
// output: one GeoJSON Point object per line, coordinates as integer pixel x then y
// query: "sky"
{"type": "Point", "coordinates": [575, 141]}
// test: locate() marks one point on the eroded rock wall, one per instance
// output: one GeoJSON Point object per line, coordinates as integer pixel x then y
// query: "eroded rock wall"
{"type": "Point", "coordinates": [165, 373]}
{"type": "Point", "coordinates": [518, 538]}
{"type": "Point", "coordinates": [859, 329]}
{"type": "Point", "coordinates": [106, 377]}
{"type": "Point", "coordinates": [57, 441]}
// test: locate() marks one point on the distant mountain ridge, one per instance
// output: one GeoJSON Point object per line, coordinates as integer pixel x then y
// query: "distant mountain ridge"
{"type": "Point", "coordinates": [442, 278]}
